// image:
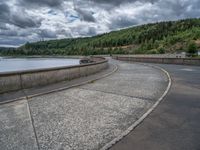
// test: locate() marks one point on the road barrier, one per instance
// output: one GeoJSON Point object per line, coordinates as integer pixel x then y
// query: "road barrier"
{"type": "Point", "coordinates": [177, 61]}
{"type": "Point", "coordinates": [13, 81]}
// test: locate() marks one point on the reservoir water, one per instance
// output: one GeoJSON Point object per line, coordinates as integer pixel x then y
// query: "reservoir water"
{"type": "Point", "coordinates": [21, 64]}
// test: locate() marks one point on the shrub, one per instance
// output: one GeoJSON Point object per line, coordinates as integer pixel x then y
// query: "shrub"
{"type": "Point", "coordinates": [153, 51]}
{"type": "Point", "coordinates": [192, 48]}
{"type": "Point", "coordinates": [161, 50]}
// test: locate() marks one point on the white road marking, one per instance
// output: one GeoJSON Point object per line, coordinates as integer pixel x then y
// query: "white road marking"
{"type": "Point", "coordinates": [187, 69]}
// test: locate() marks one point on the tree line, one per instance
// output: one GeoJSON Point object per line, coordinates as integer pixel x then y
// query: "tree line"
{"type": "Point", "coordinates": [161, 37]}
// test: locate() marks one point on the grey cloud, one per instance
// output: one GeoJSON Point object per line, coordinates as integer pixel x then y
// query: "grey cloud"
{"type": "Point", "coordinates": [84, 30]}
{"type": "Point", "coordinates": [45, 33]}
{"type": "Point", "coordinates": [27, 20]}
{"type": "Point", "coordinates": [122, 21]}
{"type": "Point", "coordinates": [3, 26]}
{"type": "Point", "coordinates": [12, 41]}
{"type": "Point", "coordinates": [85, 15]}
{"type": "Point", "coordinates": [118, 2]}
{"type": "Point", "coordinates": [4, 11]}
{"type": "Point", "coordinates": [177, 7]}
{"type": "Point", "coordinates": [12, 31]}
{"type": "Point", "coordinates": [19, 18]}
{"type": "Point", "coordinates": [113, 2]}
{"type": "Point", "coordinates": [196, 4]}
{"type": "Point", "coordinates": [92, 31]}
{"type": "Point", "coordinates": [159, 11]}
{"type": "Point", "coordinates": [8, 33]}
{"type": "Point", "coordinates": [62, 31]}
{"type": "Point", "coordinates": [173, 10]}
{"type": "Point", "coordinates": [50, 3]}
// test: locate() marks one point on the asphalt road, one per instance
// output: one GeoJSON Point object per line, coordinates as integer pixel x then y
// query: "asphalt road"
{"type": "Point", "coordinates": [175, 123]}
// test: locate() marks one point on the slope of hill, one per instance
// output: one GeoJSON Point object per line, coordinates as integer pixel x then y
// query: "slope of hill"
{"type": "Point", "coordinates": [162, 37]}
{"type": "Point", "coordinates": [6, 49]}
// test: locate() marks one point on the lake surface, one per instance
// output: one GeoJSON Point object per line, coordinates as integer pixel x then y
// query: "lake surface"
{"type": "Point", "coordinates": [20, 64]}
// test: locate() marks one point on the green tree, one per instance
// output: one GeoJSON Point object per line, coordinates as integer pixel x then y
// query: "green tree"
{"type": "Point", "coordinates": [192, 48]}
{"type": "Point", "coordinates": [161, 50]}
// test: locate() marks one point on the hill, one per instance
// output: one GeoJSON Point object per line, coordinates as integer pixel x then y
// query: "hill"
{"type": "Point", "coordinates": [6, 49]}
{"type": "Point", "coordinates": [162, 37]}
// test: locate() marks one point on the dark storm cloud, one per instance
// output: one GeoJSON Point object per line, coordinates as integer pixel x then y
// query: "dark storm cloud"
{"type": "Point", "coordinates": [50, 3]}
{"type": "Point", "coordinates": [25, 21]}
{"type": "Point", "coordinates": [118, 2]}
{"type": "Point", "coordinates": [4, 11]}
{"type": "Point", "coordinates": [31, 20]}
{"type": "Point", "coordinates": [177, 7]}
{"type": "Point", "coordinates": [18, 18]}
{"type": "Point", "coordinates": [85, 15]}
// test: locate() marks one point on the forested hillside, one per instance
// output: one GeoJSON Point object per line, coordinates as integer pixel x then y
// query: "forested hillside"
{"type": "Point", "coordinates": [6, 50]}
{"type": "Point", "coordinates": [162, 37]}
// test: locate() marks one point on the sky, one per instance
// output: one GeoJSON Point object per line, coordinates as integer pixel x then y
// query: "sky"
{"type": "Point", "coordinates": [24, 21]}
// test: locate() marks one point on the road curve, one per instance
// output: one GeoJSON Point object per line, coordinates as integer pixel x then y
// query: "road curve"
{"type": "Point", "coordinates": [83, 117]}
{"type": "Point", "coordinates": [175, 123]}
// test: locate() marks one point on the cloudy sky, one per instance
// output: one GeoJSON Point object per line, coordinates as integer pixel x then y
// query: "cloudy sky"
{"type": "Point", "coordinates": [34, 20]}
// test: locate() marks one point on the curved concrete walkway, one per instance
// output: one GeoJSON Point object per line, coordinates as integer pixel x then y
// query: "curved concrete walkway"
{"type": "Point", "coordinates": [84, 117]}
{"type": "Point", "coordinates": [175, 123]}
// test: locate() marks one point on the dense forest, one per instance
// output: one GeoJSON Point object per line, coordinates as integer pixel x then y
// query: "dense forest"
{"type": "Point", "coordinates": [2, 49]}
{"type": "Point", "coordinates": [162, 37]}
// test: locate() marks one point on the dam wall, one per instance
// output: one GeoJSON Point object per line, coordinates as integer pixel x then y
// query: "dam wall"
{"type": "Point", "coordinates": [177, 61]}
{"type": "Point", "coordinates": [13, 81]}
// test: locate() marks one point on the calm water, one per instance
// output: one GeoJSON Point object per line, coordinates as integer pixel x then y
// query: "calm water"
{"type": "Point", "coordinates": [18, 64]}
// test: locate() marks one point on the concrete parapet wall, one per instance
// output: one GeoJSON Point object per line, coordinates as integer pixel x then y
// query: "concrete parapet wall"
{"type": "Point", "coordinates": [183, 55]}
{"type": "Point", "coordinates": [10, 83]}
{"type": "Point", "coordinates": [178, 61]}
{"type": "Point", "coordinates": [32, 78]}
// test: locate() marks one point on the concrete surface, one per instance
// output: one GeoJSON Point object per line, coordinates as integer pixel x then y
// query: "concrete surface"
{"type": "Point", "coordinates": [13, 81]}
{"type": "Point", "coordinates": [88, 116]}
{"type": "Point", "coordinates": [16, 130]}
{"type": "Point", "coordinates": [9, 83]}
{"type": "Point", "coordinates": [46, 89]}
{"type": "Point", "coordinates": [175, 123]}
{"type": "Point", "coordinates": [133, 80]}
{"type": "Point", "coordinates": [177, 61]}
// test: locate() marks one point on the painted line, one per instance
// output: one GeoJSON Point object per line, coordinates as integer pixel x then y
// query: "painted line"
{"type": "Point", "coordinates": [141, 119]}
{"type": "Point", "coordinates": [187, 69]}
{"type": "Point", "coordinates": [28, 97]}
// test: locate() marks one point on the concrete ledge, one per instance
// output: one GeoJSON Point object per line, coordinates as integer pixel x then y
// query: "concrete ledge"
{"type": "Point", "coordinates": [18, 80]}
{"type": "Point", "coordinates": [10, 83]}
{"type": "Point", "coordinates": [177, 61]}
